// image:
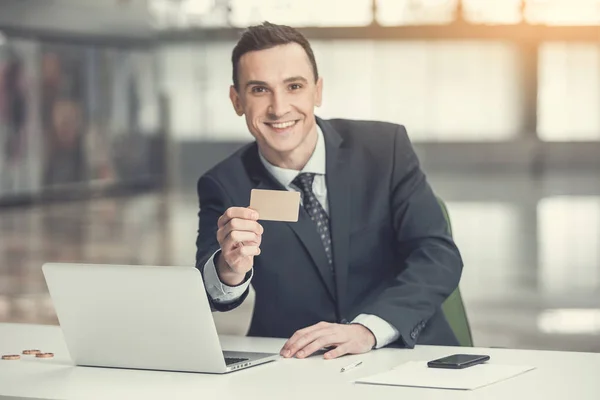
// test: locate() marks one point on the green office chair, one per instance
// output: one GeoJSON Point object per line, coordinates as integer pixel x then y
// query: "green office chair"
{"type": "Point", "coordinates": [453, 307]}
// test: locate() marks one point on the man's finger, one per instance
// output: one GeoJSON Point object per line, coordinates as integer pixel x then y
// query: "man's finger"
{"type": "Point", "coordinates": [236, 212]}
{"type": "Point", "coordinates": [237, 237]}
{"type": "Point", "coordinates": [239, 225]}
{"type": "Point", "coordinates": [339, 351]}
{"type": "Point", "coordinates": [308, 338]}
{"type": "Point", "coordinates": [299, 333]}
{"type": "Point", "coordinates": [322, 341]}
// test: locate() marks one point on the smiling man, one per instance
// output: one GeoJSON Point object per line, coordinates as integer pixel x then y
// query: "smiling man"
{"type": "Point", "coordinates": [370, 260]}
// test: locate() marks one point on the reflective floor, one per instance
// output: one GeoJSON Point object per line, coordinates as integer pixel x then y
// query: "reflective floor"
{"type": "Point", "coordinates": [530, 246]}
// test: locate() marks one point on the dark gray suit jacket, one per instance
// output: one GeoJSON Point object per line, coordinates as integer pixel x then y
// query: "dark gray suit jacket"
{"type": "Point", "coordinates": [393, 255]}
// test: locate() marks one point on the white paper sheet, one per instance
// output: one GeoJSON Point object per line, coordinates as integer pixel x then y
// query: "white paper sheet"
{"type": "Point", "coordinates": [418, 374]}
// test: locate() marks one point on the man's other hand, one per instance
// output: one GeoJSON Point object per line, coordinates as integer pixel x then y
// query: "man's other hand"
{"type": "Point", "coordinates": [346, 338]}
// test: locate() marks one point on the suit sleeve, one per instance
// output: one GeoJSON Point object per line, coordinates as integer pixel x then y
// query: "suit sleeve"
{"type": "Point", "coordinates": [431, 263]}
{"type": "Point", "coordinates": [213, 203]}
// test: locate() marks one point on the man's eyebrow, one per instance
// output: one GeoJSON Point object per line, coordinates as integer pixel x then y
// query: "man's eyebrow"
{"type": "Point", "coordinates": [261, 83]}
{"type": "Point", "coordinates": [295, 79]}
{"type": "Point", "coordinates": [286, 80]}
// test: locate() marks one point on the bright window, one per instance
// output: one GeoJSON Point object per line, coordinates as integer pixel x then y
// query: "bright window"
{"type": "Point", "coordinates": [415, 12]}
{"type": "Point", "coordinates": [569, 92]}
{"type": "Point", "coordinates": [492, 11]}
{"type": "Point", "coordinates": [301, 13]}
{"type": "Point", "coordinates": [563, 12]}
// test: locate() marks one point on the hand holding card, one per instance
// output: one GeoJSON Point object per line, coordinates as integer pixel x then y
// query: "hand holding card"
{"type": "Point", "coordinates": [239, 234]}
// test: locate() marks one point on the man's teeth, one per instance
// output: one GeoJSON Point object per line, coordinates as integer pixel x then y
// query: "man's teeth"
{"type": "Point", "coordinates": [283, 125]}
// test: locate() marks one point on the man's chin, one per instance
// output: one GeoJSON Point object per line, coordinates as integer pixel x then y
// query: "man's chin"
{"type": "Point", "coordinates": [282, 148]}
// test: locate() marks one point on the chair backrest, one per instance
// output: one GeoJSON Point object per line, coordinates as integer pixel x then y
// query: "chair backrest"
{"type": "Point", "coordinates": [453, 307]}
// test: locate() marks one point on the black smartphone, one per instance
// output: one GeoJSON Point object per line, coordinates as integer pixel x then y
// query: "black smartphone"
{"type": "Point", "coordinates": [458, 361]}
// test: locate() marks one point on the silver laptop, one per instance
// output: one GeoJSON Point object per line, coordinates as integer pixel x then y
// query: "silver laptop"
{"type": "Point", "coordinates": [142, 317]}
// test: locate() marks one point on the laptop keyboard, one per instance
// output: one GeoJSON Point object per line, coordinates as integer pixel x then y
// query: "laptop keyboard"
{"type": "Point", "coordinates": [234, 360]}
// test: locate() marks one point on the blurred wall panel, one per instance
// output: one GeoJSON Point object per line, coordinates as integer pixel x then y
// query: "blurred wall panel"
{"type": "Point", "coordinates": [77, 117]}
{"type": "Point", "coordinates": [20, 162]}
{"type": "Point", "coordinates": [569, 227]}
{"type": "Point", "coordinates": [64, 116]}
{"type": "Point", "coordinates": [197, 79]}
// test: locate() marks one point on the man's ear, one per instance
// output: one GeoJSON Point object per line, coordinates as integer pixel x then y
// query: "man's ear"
{"type": "Point", "coordinates": [235, 101]}
{"type": "Point", "coordinates": [319, 92]}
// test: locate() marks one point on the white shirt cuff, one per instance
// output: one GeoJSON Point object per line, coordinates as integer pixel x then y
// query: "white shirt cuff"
{"type": "Point", "coordinates": [217, 290]}
{"type": "Point", "coordinates": [384, 332]}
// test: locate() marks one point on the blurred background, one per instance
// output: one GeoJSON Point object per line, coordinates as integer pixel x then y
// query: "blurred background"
{"type": "Point", "coordinates": [110, 110]}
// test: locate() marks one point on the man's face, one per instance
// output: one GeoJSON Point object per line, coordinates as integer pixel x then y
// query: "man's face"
{"type": "Point", "coordinates": [277, 93]}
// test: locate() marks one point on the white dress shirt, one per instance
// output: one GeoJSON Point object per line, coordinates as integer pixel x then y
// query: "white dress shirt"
{"type": "Point", "coordinates": [221, 293]}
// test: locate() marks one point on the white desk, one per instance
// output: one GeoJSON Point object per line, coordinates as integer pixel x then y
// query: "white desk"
{"type": "Point", "coordinates": [559, 375]}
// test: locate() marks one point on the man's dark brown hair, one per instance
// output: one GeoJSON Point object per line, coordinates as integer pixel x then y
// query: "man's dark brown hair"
{"type": "Point", "coordinates": [266, 36]}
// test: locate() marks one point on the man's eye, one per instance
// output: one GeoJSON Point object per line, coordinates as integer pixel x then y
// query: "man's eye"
{"type": "Point", "coordinates": [259, 89]}
{"type": "Point", "coordinates": [295, 86]}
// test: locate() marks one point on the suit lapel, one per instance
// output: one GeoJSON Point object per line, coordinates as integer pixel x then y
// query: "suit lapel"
{"type": "Point", "coordinates": [338, 178]}
{"type": "Point", "coordinates": [304, 229]}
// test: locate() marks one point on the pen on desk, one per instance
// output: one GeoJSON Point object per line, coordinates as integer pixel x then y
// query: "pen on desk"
{"type": "Point", "coordinates": [353, 365]}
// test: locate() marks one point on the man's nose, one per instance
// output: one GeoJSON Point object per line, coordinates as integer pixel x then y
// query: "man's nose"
{"type": "Point", "coordinates": [279, 106]}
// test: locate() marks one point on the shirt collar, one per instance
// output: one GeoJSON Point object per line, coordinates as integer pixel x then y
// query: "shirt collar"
{"type": "Point", "coordinates": [315, 164]}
